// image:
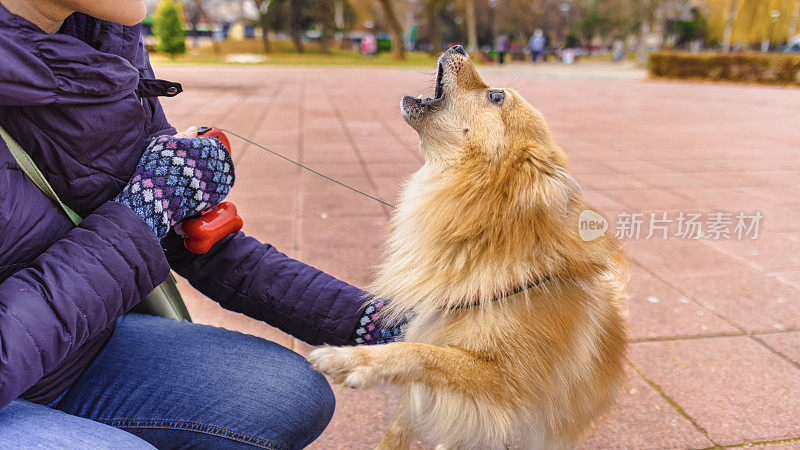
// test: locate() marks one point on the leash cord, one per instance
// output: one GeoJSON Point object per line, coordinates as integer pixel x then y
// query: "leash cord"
{"type": "Point", "coordinates": [305, 167]}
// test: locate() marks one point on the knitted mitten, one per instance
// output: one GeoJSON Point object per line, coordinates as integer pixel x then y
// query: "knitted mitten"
{"type": "Point", "coordinates": [176, 179]}
{"type": "Point", "coordinates": [372, 329]}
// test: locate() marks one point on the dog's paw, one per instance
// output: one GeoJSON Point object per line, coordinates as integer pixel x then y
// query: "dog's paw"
{"type": "Point", "coordinates": [345, 365]}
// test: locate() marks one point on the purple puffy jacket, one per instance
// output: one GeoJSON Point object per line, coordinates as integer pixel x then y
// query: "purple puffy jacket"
{"type": "Point", "coordinates": [83, 104]}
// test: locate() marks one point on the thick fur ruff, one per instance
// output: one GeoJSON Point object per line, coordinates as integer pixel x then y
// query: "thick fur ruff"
{"type": "Point", "coordinates": [493, 208]}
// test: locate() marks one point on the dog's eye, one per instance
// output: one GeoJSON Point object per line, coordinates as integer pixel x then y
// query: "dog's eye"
{"type": "Point", "coordinates": [497, 97]}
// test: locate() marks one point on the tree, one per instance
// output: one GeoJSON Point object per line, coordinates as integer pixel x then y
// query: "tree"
{"type": "Point", "coordinates": [795, 19]}
{"type": "Point", "coordinates": [750, 22]}
{"type": "Point", "coordinates": [296, 24]}
{"type": "Point", "coordinates": [472, 26]}
{"type": "Point", "coordinates": [432, 10]}
{"type": "Point", "coordinates": [324, 16]}
{"type": "Point", "coordinates": [593, 23]}
{"type": "Point", "coordinates": [646, 15]}
{"type": "Point", "coordinates": [688, 31]}
{"type": "Point", "coordinates": [194, 13]}
{"type": "Point", "coordinates": [729, 21]}
{"type": "Point", "coordinates": [263, 21]}
{"type": "Point", "coordinates": [169, 29]}
{"type": "Point", "coordinates": [398, 46]}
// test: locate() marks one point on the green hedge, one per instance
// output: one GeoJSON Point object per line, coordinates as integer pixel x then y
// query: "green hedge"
{"type": "Point", "coordinates": [739, 67]}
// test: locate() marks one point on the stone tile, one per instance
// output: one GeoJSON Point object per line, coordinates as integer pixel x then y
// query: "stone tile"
{"type": "Point", "coordinates": [400, 171]}
{"type": "Point", "coordinates": [780, 219]}
{"type": "Point", "coordinates": [360, 420]}
{"type": "Point", "coordinates": [338, 202]}
{"type": "Point", "coordinates": [612, 181]}
{"type": "Point", "coordinates": [773, 195]}
{"type": "Point", "coordinates": [635, 167]}
{"type": "Point", "coordinates": [354, 265]}
{"type": "Point", "coordinates": [678, 257]}
{"type": "Point", "coordinates": [320, 155]}
{"type": "Point", "coordinates": [642, 419]}
{"type": "Point", "coordinates": [734, 388]}
{"type": "Point", "coordinates": [776, 252]}
{"type": "Point", "coordinates": [580, 168]}
{"type": "Point", "coordinates": [646, 199]}
{"type": "Point", "coordinates": [716, 199]}
{"type": "Point", "coordinates": [265, 205]}
{"type": "Point", "coordinates": [751, 300]}
{"type": "Point", "coordinates": [602, 204]}
{"type": "Point", "coordinates": [788, 343]}
{"type": "Point", "coordinates": [669, 180]}
{"type": "Point", "coordinates": [279, 233]}
{"type": "Point", "coordinates": [337, 232]}
{"type": "Point", "coordinates": [655, 310]}
{"type": "Point", "coordinates": [791, 278]}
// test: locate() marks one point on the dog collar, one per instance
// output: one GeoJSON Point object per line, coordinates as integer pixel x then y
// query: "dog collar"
{"type": "Point", "coordinates": [516, 290]}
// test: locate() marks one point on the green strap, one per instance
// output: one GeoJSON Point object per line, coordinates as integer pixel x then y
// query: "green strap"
{"type": "Point", "coordinates": [164, 301]}
{"type": "Point", "coordinates": [29, 167]}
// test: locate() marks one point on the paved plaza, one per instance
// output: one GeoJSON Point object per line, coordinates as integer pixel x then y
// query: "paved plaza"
{"type": "Point", "coordinates": [714, 313]}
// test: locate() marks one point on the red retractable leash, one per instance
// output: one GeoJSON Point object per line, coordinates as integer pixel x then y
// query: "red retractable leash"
{"type": "Point", "coordinates": [202, 232]}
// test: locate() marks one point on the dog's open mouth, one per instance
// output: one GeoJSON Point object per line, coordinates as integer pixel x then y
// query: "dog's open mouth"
{"type": "Point", "coordinates": [416, 106]}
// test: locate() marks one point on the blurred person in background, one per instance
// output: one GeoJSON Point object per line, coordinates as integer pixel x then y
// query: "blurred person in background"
{"type": "Point", "coordinates": [618, 50]}
{"type": "Point", "coordinates": [502, 48]}
{"type": "Point", "coordinates": [537, 44]}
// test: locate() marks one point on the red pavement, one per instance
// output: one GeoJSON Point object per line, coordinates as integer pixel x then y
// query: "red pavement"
{"type": "Point", "coordinates": [715, 358]}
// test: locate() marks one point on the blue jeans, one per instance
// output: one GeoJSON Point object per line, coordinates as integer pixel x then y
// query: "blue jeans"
{"type": "Point", "coordinates": [169, 384]}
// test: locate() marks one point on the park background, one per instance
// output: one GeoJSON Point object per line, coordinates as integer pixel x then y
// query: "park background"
{"type": "Point", "coordinates": [715, 316]}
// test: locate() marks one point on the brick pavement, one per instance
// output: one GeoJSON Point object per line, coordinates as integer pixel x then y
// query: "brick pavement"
{"type": "Point", "coordinates": [715, 357]}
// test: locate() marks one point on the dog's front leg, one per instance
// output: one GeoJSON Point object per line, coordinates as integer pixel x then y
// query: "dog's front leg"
{"type": "Point", "coordinates": [402, 363]}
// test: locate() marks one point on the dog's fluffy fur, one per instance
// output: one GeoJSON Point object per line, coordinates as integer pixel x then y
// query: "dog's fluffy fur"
{"type": "Point", "coordinates": [492, 208]}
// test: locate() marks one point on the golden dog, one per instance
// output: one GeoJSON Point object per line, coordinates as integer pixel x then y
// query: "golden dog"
{"type": "Point", "coordinates": [517, 336]}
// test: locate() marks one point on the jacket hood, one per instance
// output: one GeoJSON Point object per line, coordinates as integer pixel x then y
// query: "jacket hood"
{"type": "Point", "coordinates": [87, 61]}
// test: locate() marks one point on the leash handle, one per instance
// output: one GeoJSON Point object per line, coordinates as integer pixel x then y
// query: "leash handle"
{"type": "Point", "coordinates": [202, 232]}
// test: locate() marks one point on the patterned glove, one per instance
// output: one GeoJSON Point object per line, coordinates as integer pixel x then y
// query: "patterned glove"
{"type": "Point", "coordinates": [176, 179]}
{"type": "Point", "coordinates": [372, 330]}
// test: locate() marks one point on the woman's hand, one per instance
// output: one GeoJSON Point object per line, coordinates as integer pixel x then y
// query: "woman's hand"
{"type": "Point", "coordinates": [176, 178]}
{"type": "Point", "coordinates": [189, 133]}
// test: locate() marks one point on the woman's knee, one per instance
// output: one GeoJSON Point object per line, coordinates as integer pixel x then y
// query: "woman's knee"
{"type": "Point", "coordinates": [283, 399]}
{"type": "Point", "coordinates": [305, 403]}
{"type": "Point", "coordinates": [320, 414]}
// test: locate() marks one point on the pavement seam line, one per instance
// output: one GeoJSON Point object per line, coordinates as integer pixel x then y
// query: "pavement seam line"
{"type": "Point", "coordinates": [356, 150]}
{"type": "Point", "coordinates": [231, 108]}
{"type": "Point", "coordinates": [730, 322]}
{"type": "Point", "coordinates": [414, 152]}
{"type": "Point", "coordinates": [764, 443]}
{"type": "Point", "coordinates": [298, 212]}
{"type": "Point", "coordinates": [261, 119]}
{"type": "Point", "coordinates": [673, 403]}
{"type": "Point", "coordinates": [758, 269]}
{"type": "Point", "coordinates": [685, 338]}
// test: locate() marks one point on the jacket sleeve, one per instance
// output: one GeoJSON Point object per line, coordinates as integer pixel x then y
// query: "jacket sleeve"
{"type": "Point", "coordinates": [246, 276]}
{"type": "Point", "coordinates": [72, 292]}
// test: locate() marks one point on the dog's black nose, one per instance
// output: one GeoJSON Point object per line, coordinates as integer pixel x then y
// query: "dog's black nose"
{"type": "Point", "coordinates": [458, 49]}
